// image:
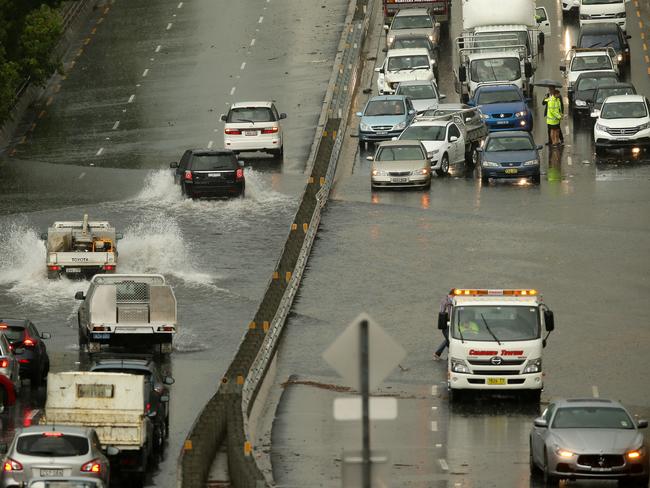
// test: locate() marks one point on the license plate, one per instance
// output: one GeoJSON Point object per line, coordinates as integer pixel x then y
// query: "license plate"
{"type": "Point", "coordinates": [511, 171]}
{"type": "Point", "coordinates": [51, 472]}
{"type": "Point", "coordinates": [101, 336]}
{"type": "Point", "coordinates": [496, 381]}
{"type": "Point", "coordinates": [502, 122]}
{"type": "Point", "coordinates": [399, 180]}
{"type": "Point", "coordinates": [214, 175]}
{"type": "Point", "coordinates": [382, 132]}
{"type": "Point", "coordinates": [73, 270]}
{"type": "Point", "coordinates": [250, 132]}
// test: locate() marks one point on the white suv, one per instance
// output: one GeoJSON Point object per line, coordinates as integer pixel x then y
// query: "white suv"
{"type": "Point", "coordinates": [578, 61]}
{"type": "Point", "coordinates": [623, 122]}
{"type": "Point", "coordinates": [404, 65]}
{"type": "Point", "coordinates": [593, 11]}
{"type": "Point", "coordinates": [253, 126]}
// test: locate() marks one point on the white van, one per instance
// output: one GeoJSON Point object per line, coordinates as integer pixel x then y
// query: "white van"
{"type": "Point", "coordinates": [592, 11]}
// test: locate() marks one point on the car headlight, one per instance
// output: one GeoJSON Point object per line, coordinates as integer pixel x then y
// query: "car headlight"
{"type": "Point", "coordinates": [531, 162]}
{"type": "Point", "coordinates": [584, 17]}
{"type": "Point", "coordinates": [432, 153]}
{"type": "Point", "coordinates": [365, 127]}
{"type": "Point", "coordinates": [485, 116]}
{"type": "Point", "coordinates": [378, 172]}
{"type": "Point", "coordinates": [533, 365]}
{"type": "Point", "coordinates": [635, 454]}
{"type": "Point", "coordinates": [620, 15]}
{"type": "Point", "coordinates": [601, 127]}
{"type": "Point", "coordinates": [564, 453]}
{"type": "Point", "coordinates": [490, 164]}
{"type": "Point", "coordinates": [400, 126]}
{"type": "Point", "coordinates": [643, 126]}
{"type": "Point", "coordinates": [580, 103]}
{"type": "Point", "coordinates": [521, 114]}
{"type": "Point", "coordinates": [619, 57]}
{"type": "Point", "coordinates": [420, 172]}
{"type": "Point", "coordinates": [459, 366]}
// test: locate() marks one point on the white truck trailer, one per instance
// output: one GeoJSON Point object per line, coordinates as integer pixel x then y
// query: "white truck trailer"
{"type": "Point", "coordinates": [112, 404]}
{"type": "Point", "coordinates": [131, 311]}
{"type": "Point", "coordinates": [80, 248]}
{"type": "Point", "coordinates": [495, 340]}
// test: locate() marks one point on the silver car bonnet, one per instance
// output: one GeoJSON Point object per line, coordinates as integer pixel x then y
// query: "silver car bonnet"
{"type": "Point", "coordinates": [408, 165]}
{"type": "Point", "coordinates": [596, 441]}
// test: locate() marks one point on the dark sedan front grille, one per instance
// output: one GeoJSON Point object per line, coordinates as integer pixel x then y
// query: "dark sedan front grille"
{"type": "Point", "coordinates": [382, 127]}
{"type": "Point", "coordinates": [601, 460]}
{"type": "Point", "coordinates": [399, 173]}
{"type": "Point", "coordinates": [627, 131]}
{"type": "Point", "coordinates": [499, 372]}
{"type": "Point", "coordinates": [488, 362]}
{"type": "Point", "coordinates": [501, 116]}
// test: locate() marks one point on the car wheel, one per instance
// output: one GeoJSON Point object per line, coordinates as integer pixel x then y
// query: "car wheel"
{"type": "Point", "coordinates": [535, 472]}
{"type": "Point", "coordinates": [484, 179]}
{"type": "Point", "coordinates": [279, 153]}
{"type": "Point", "coordinates": [158, 440]}
{"type": "Point", "coordinates": [444, 166]}
{"type": "Point", "coordinates": [537, 179]}
{"type": "Point", "coordinates": [83, 339]}
{"type": "Point", "coordinates": [600, 152]}
{"type": "Point", "coordinates": [53, 275]}
{"type": "Point", "coordinates": [242, 194]}
{"type": "Point", "coordinates": [456, 396]}
{"type": "Point", "coordinates": [4, 398]}
{"type": "Point", "coordinates": [549, 479]}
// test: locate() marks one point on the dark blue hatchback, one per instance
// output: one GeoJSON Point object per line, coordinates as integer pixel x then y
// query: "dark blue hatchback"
{"type": "Point", "coordinates": [509, 155]}
{"type": "Point", "coordinates": [504, 107]}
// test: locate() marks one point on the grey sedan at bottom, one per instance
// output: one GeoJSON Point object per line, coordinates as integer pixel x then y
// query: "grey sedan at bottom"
{"type": "Point", "coordinates": [400, 164]}
{"type": "Point", "coordinates": [588, 439]}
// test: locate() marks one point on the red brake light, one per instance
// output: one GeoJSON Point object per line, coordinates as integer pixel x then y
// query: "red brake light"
{"type": "Point", "coordinates": [4, 363]}
{"type": "Point", "coordinates": [54, 268]}
{"type": "Point", "coordinates": [92, 467]}
{"type": "Point", "coordinates": [239, 174]}
{"type": "Point", "coordinates": [109, 267]}
{"type": "Point", "coordinates": [3, 326]}
{"type": "Point", "coordinates": [29, 342]}
{"type": "Point", "coordinates": [233, 132]}
{"type": "Point", "coordinates": [147, 408]}
{"type": "Point", "coordinates": [188, 175]}
{"type": "Point", "coordinates": [270, 130]}
{"type": "Point", "coordinates": [23, 361]}
{"type": "Point", "coordinates": [52, 434]}
{"type": "Point", "coordinates": [11, 465]}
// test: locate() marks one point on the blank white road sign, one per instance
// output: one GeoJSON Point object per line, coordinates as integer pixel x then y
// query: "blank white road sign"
{"type": "Point", "coordinates": [380, 408]}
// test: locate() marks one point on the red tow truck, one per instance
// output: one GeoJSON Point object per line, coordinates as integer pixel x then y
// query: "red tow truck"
{"type": "Point", "coordinates": [440, 9]}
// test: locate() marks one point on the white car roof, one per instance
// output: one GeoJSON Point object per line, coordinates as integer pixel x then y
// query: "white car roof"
{"type": "Point", "coordinates": [585, 54]}
{"type": "Point", "coordinates": [494, 55]}
{"type": "Point", "coordinates": [430, 123]}
{"type": "Point", "coordinates": [412, 12]}
{"type": "Point", "coordinates": [625, 98]}
{"type": "Point", "coordinates": [251, 104]}
{"type": "Point", "coordinates": [417, 82]}
{"type": "Point", "coordinates": [411, 51]}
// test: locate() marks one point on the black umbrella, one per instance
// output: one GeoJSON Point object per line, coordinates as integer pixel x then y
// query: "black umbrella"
{"type": "Point", "coordinates": [548, 83]}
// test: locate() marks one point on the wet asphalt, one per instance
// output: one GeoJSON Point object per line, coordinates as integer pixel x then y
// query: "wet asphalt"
{"type": "Point", "coordinates": [581, 238]}
{"type": "Point", "coordinates": [149, 82]}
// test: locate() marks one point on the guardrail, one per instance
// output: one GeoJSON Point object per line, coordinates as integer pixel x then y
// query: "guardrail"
{"type": "Point", "coordinates": [225, 419]}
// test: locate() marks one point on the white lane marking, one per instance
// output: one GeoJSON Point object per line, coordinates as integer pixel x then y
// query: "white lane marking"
{"type": "Point", "coordinates": [243, 65]}
{"type": "Point", "coordinates": [116, 124]}
{"type": "Point", "coordinates": [569, 160]}
{"type": "Point", "coordinates": [443, 464]}
{"type": "Point", "coordinates": [438, 445]}
{"type": "Point", "coordinates": [252, 42]}
{"type": "Point", "coordinates": [232, 90]}
{"type": "Point", "coordinates": [434, 408]}
{"type": "Point", "coordinates": [131, 98]}
{"type": "Point", "coordinates": [158, 47]}
{"type": "Point", "coordinates": [180, 5]}
{"type": "Point", "coordinates": [169, 26]}
{"type": "Point", "coordinates": [210, 144]}
{"type": "Point", "coordinates": [434, 390]}
{"type": "Point", "coordinates": [145, 72]}
{"type": "Point", "coordinates": [594, 391]}
{"type": "Point", "coordinates": [100, 151]}
{"type": "Point", "coordinates": [261, 19]}
{"type": "Point", "coordinates": [82, 175]}
{"type": "Point", "coordinates": [434, 426]}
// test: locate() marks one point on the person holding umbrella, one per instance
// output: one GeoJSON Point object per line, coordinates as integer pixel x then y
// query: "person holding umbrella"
{"type": "Point", "coordinates": [554, 116]}
{"type": "Point", "coordinates": [552, 85]}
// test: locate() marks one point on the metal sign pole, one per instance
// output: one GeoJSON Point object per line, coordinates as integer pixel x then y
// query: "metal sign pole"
{"type": "Point", "coordinates": [365, 417]}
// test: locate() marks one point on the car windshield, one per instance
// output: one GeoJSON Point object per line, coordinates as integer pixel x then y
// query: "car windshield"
{"type": "Point", "coordinates": [385, 107]}
{"type": "Point", "coordinates": [424, 133]}
{"type": "Point", "coordinates": [410, 43]}
{"type": "Point", "coordinates": [213, 162]}
{"type": "Point", "coordinates": [499, 69]}
{"type": "Point", "coordinates": [417, 92]}
{"type": "Point", "coordinates": [603, 93]}
{"type": "Point", "coordinates": [491, 323]}
{"type": "Point", "coordinates": [592, 418]}
{"type": "Point", "coordinates": [52, 444]}
{"type": "Point", "coordinates": [512, 143]}
{"type": "Point", "coordinates": [500, 96]}
{"type": "Point", "coordinates": [600, 40]}
{"type": "Point", "coordinates": [590, 63]}
{"type": "Point", "coordinates": [400, 153]}
{"type": "Point", "coordinates": [14, 334]}
{"type": "Point", "coordinates": [585, 84]}
{"type": "Point", "coordinates": [251, 114]}
{"type": "Point", "coordinates": [396, 63]}
{"type": "Point", "coordinates": [623, 110]}
{"type": "Point", "coordinates": [411, 22]}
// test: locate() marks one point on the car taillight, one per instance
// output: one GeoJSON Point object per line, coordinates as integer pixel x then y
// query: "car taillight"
{"type": "Point", "coordinates": [188, 175]}
{"type": "Point", "coordinates": [23, 361]}
{"type": "Point", "coordinates": [239, 174]}
{"type": "Point", "coordinates": [270, 130]}
{"type": "Point", "coordinates": [4, 363]}
{"type": "Point", "coordinates": [109, 267]}
{"type": "Point", "coordinates": [54, 268]}
{"type": "Point", "coordinates": [147, 408]}
{"type": "Point", "coordinates": [29, 342]}
{"type": "Point", "coordinates": [92, 467]}
{"type": "Point", "coordinates": [233, 132]}
{"type": "Point", "coordinates": [11, 465]}
{"type": "Point", "coordinates": [52, 434]}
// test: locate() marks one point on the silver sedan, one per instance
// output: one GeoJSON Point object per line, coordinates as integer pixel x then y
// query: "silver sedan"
{"type": "Point", "coordinates": [588, 439]}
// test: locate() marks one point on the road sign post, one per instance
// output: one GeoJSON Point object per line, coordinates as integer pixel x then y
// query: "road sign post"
{"type": "Point", "coordinates": [365, 393]}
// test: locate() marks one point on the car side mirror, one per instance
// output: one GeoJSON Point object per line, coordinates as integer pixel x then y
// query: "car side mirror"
{"type": "Point", "coordinates": [642, 424]}
{"type": "Point", "coordinates": [437, 25]}
{"type": "Point", "coordinates": [411, 112]}
{"type": "Point", "coordinates": [562, 68]}
{"type": "Point", "coordinates": [541, 423]}
{"type": "Point", "coordinates": [453, 139]}
{"type": "Point", "coordinates": [164, 398]}
{"type": "Point", "coordinates": [45, 335]}
{"type": "Point", "coordinates": [44, 236]}
{"type": "Point", "coordinates": [549, 319]}
{"type": "Point", "coordinates": [119, 236]}
{"type": "Point", "coordinates": [224, 117]}
{"type": "Point", "coordinates": [471, 103]}
{"type": "Point", "coordinates": [628, 36]}
{"type": "Point", "coordinates": [443, 320]}
{"type": "Point", "coordinates": [442, 96]}
{"type": "Point", "coordinates": [462, 74]}
{"type": "Point", "coordinates": [595, 113]}
{"type": "Point", "coordinates": [283, 115]}
{"type": "Point", "coordinates": [173, 165]}
{"type": "Point", "coordinates": [539, 147]}
{"type": "Point", "coordinates": [79, 295]}
{"type": "Point", "coordinates": [379, 70]}
{"type": "Point", "coordinates": [370, 158]}
{"type": "Point", "coordinates": [359, 114]}
{"type": "Point", "coordinates": [386, 27]}
{"type": "Point", "coordinates": [168, 380]}
{"type": "Point", "coordinates": [112, 451]}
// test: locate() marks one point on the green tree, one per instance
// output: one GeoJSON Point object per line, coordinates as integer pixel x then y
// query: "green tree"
{"type": "Point", "coordinates": [42, 29]}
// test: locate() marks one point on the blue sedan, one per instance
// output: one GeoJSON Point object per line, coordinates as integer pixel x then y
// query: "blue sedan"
{"type": "Point", "coordinates": [504, 106]}
{"type": "Point", "coordinates": [385, 117]}
{"type": "Point", "coordinates": [509, 155]}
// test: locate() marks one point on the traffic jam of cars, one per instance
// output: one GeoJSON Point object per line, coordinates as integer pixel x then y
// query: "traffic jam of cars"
{"type": "Point", "coordinates": [496, 337]}
{"type": "Point", "coordinates": [110, 418]}
{"type": "Point", "coordinates": [495, 59]}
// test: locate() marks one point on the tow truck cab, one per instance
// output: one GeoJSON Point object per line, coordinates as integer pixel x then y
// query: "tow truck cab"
{"type": "Point", "coordinates": [495, 339]}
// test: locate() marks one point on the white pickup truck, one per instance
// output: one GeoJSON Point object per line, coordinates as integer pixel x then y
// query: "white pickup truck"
{"type": "Point", "coordinates": [112, 404]}
{"type": "Point", "coordinates": [80, 248]}
{"type": "Point", "coordinates": [130, 311]}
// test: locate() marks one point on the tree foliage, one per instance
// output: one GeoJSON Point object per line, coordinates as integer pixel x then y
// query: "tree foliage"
{"type": "Point", "coordinates": [43, 28]}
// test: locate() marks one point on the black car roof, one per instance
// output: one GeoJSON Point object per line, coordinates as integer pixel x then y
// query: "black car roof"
{"type": "Point", "coordinates": [617, 85]}
{"type": "Point", "coordinates": [211, 152]}
{"type": "Point", "coordinates": [15, 322]}
{"type": "Point", "coordinates": [597, 74]}
{"type": "Point", "coordinates": [599, 28]}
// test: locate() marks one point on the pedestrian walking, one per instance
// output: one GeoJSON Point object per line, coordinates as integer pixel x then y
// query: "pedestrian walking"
{"type": "Point", "coordinates": [445, 306]}
{"type": "Point", "coordinates": [554, 116]}
{"type": "Point", "coordinates": [545, 103]}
